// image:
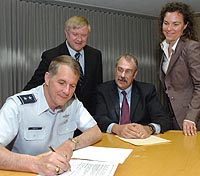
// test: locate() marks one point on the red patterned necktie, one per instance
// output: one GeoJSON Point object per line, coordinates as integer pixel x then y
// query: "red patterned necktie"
{"type": "Point", "coordinates": [125, 115]}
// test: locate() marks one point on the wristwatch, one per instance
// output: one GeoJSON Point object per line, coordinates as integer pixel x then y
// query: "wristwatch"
{"type": "Point", "coordinates": [152, 128]}
{"type": "Point", "coordinates": [75, 141]}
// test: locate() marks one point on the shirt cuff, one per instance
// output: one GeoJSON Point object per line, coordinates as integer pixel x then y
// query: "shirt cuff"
{"type": "Point", "coordinates": [190, 121]}
{"type": "Point", "coordinates": [157, 127]}
{"type": "Point", "coordinates": [109, 129]}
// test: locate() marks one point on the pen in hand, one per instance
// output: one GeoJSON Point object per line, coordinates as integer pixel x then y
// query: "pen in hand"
{"type": "Point", "coordinates": [53, 150]}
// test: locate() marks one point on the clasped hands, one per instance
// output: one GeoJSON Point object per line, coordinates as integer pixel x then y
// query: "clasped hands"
{"type": "Point", "coordinates": [132, 131]}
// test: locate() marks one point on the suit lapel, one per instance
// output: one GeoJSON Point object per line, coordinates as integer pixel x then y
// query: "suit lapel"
{"type": "Point", "coordinates": [162, 74]}
{"type": "Point", "coordinates": [175, 55]}
{"type": "Point", "coordinates": [87, 62]}
{"type": "Point", "coordinates": [87, 65]}
{"type": "Point", "coordinates": [64, 50]}
{"type": "Point", "coordinates": [115, 101]}
{"type": "Point", "coordinates": [134, 100]}
{"type": "Point", "coordinates": [161, 71]}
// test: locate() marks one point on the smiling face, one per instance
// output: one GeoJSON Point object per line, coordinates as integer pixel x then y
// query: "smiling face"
{"type": "Point", "coordinates": [59, 88]}
{"type": "Point", "coordinates": [77, 37]}
{"type": "Point", "coordinates": [125, 73]}
{"type": "Point", "coordinates": [173, 26]}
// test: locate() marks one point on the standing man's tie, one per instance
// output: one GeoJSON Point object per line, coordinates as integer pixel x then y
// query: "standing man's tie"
{"type": "Point", "coordinates": [77, 56]}
{"type": "Point", "coordinates": [125, 115]}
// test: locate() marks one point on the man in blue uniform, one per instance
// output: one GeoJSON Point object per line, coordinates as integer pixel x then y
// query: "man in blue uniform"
{"type": "Point", "coordinates": [46, 115]}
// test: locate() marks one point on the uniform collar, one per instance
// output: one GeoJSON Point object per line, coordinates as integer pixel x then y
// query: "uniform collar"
{"type": "Point", "coordinates": [42, 102]}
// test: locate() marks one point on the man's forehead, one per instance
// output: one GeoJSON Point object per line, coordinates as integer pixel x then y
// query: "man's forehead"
{"type": "Point", "coordinates": [63, 69]}
{"type": "Point", "coordinates": [123, 62]}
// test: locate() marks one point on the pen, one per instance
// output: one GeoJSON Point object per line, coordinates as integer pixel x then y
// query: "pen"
{"type": "Point", "coordinates": [51, 148]}
{"type": "Point", "coordinates": [57, 168]}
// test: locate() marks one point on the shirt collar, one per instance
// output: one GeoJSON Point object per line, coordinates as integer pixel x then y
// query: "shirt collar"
{"type": "Point", "coordinates": [164, 45]}
{"type": "Point", "coordinates": [72, 52]}
{"type": "Point", "coordinates": [69, 102]}
{"type": "Point", "coordinates": [128, 90]}
{"type": "Point", "coordinates": [43, 105]}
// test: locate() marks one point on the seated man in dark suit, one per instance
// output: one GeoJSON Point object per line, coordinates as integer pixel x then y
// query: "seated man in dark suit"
{"type": "Point", "coordinates": [138, 113]}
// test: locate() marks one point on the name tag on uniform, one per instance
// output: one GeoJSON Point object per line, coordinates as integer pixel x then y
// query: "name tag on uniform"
{"type": "Point", "coordinates": [34, 128]}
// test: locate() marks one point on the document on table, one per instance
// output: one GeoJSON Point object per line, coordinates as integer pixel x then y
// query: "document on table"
{"type": "Point", "coordinates": [98, 161]}
{"type": "Point", "coordinates": [90, 168]}
{"type": "Point", "coordinates": [115, 155]}
{"type": "Point", "coordinates": [147, 141]}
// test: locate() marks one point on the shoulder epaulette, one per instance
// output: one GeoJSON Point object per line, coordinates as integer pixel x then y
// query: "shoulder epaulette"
{"type": "Point", "coordinates": [25, 99]}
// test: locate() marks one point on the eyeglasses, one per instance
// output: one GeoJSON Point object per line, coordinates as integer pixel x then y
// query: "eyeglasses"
{"type": "Point", "coordinates": [127, 71]}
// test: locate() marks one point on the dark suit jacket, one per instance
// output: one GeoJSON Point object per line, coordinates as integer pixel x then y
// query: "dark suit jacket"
{"type": "Point", "coordinates": [182, 81]}
{"type": "Point", "coordinates": [92, 78]}
{"type": "Point", "coordinates": [145, 106]}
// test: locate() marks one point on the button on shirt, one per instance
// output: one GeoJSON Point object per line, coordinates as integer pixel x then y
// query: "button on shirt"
{"type": "Point", "coordinates": [37, 126]}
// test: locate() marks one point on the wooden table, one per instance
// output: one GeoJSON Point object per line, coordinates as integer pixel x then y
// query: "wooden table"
{"type": "Point", "coordinates": [180, 157]}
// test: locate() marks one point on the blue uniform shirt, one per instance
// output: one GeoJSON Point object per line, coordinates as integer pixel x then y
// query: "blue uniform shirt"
{"type": "Point", "coordinates": [28, 117]}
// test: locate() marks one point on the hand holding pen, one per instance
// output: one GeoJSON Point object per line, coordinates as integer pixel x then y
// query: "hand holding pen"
{"type": "Point", "coordinates": [58, 169]}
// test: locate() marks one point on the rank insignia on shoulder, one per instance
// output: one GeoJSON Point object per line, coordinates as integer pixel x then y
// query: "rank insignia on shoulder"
{"type": "Point", "coordinates": [25, 99]}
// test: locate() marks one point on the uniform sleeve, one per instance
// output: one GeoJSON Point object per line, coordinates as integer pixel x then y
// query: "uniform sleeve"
{"type": "Point", "coordinates": [9, 122]}
{"type": "Point", "coordinates": [84, 119]}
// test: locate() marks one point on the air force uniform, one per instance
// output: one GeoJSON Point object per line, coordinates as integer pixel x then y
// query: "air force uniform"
{"type": "Point", "coordinates": [27, 119]}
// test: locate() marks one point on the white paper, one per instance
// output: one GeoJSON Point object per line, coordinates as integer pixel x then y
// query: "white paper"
{"type": "Point", "coordinates": [91, 168]}
{"type": "Point", "coordinates": [114, 155]}
{"type": "Point", "coordinates": [147, 141]}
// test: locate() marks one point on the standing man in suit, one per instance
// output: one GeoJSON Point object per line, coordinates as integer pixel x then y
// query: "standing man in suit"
{"type": "Point", "coordinates": [145, 114]}
{"type": "Point", "coordinates": [77, 29]}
